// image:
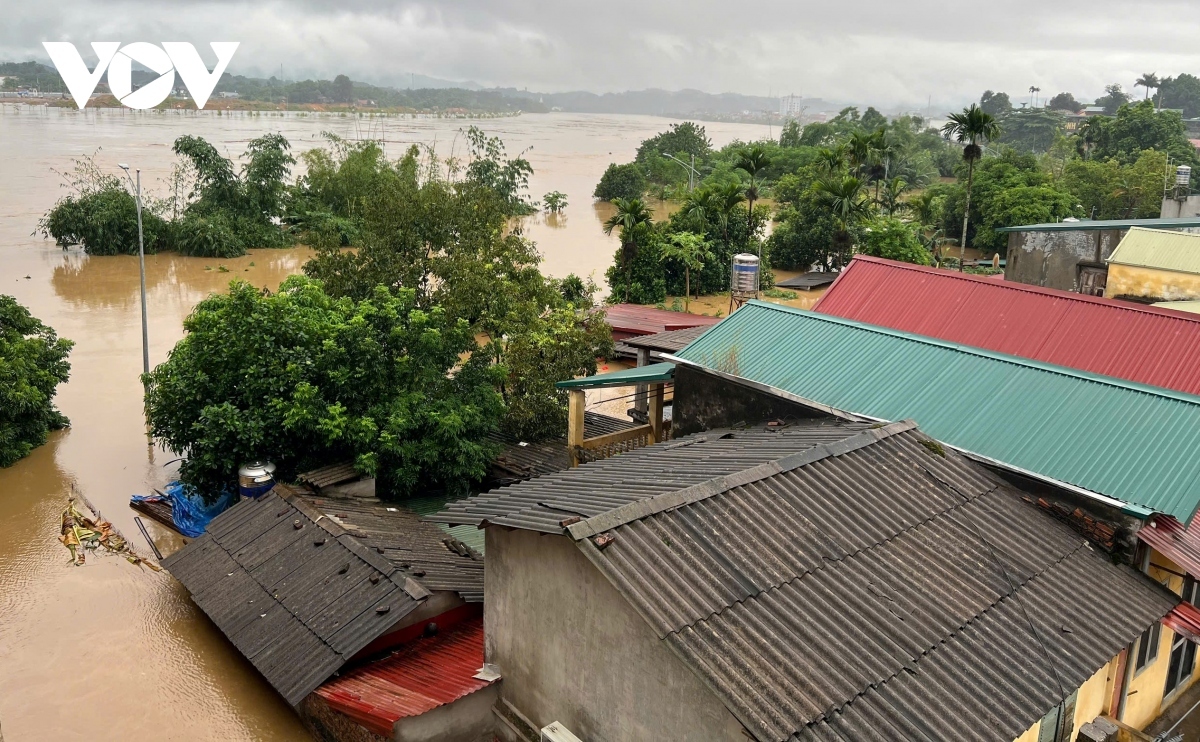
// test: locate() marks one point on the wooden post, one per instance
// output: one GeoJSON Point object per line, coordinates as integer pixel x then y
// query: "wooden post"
{"type": "Point", "coordinates": [575, 402]}
{"type": "Point", "coordinates": [656, 412]}
{"type": "Point", "coordinates": [639, 397]}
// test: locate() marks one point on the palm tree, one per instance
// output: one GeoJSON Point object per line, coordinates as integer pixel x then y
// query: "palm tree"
{"type": "Point", "coordinates": [895, 188]}
{"type": "Point", "coordinates": [726, 198]}
{"type": "Point", "coordinates": [847, 202]}
{"type": "Point", "coordinates": [1148, 80]}
{"type": "Point", "coordinates": [1090, 133]}
{"type": "Point", "coordinates": [971, 128]}
{"type": "Point", "coordinates": [860, 147]}
{"type": "Point", "coordinates": [691, 251]}
{"type": "Point", "coordinates": [752, 162]}
{"type": "Point", "coordinates": [832, 159]}
{"type": "Point", "coordinates": [632, 213]}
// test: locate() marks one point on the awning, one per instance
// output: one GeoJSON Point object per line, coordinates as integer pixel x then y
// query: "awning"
{"type": "Point", "coordinates": [654, 373]}
{"type": "Point", "coordinates": [1184, 619]}
{"type": "Point", "coordinates": [1172, 539]}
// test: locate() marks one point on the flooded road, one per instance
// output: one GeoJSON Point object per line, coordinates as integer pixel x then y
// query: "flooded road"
{"type": "Point", "coordinates": [108, 649]}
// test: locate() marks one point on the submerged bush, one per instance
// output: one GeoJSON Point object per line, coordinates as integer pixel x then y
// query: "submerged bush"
{"type": "Point", "coordinates": [33, 362]}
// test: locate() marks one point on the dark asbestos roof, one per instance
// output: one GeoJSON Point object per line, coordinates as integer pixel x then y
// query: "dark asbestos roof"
{"type": "Point", "coordinates": [809, 281]}
{"type": "Point", "coordinates": [876, 586]}
{"type": "Point", "coordinates": [669, 341]}
{"type": "Point", "coordinates": [541, 504]}
{"type": "Point", "coordinates": [517, 462]}
{"type": "Point", "coordinates": [299, 591]}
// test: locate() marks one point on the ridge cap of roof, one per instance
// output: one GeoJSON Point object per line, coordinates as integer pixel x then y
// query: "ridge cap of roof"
{"type": "Point", "coordinates": [717, 485]}
{"type": "Point", "coordinates": [982, 353]}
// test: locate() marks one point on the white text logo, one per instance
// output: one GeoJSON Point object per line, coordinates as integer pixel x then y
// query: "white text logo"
{"type": "Point", "coordinates": [165, 61]}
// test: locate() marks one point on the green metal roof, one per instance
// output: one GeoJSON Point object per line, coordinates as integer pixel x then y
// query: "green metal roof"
{"type": "Point", "coordinates": [626, 377]}
{"type": "Point", "coordinates": [1192, 306]}
{"type": "Point", "coordinates": [1090, 224]}
{"type": "Point", "coordinates": [1133, 443]}
{"type": "Point", "coordinates": [1155, 248]}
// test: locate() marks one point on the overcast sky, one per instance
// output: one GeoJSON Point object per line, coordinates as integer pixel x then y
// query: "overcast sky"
{"type": "Point", "coordinates": [885, 52]}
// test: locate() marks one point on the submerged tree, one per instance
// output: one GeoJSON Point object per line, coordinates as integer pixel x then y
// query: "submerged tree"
{"type": "Point", "coordinates": [632, 215]}
{"type": "Point", "coordinates": [846, 200]}
{"type": "Point", "coordinates": [692, 252]}
{"type": "Point", "coordinates": [752, 162]}
{"type": "Point", "coordinates": [33, 362]}
{"type": "Point", "coordinates": [971, 128]}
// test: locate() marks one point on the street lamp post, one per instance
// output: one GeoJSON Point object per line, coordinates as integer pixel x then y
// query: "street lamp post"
{"type": "Point", "coordinates": [690, 168]}
{"type": "Point", "coordinates": [142, 266]}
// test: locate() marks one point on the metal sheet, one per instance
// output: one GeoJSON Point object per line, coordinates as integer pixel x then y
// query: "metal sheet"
{"type": "Point", "coordinates": [1131, 442]}
{"type": "Point", "coordinates": [1103, 336]}
{"type": "Point", "coordinates": [1177, 252]}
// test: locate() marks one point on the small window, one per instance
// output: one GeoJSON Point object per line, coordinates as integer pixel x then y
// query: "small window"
{"type": "Point", "coordinates": [1147, 650]}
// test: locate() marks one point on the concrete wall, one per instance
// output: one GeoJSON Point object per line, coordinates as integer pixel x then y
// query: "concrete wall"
{"type": "Point", "coordinates": [1052, 259]}
{"type": "Point", "coordinates": [704, 401]}
{"type": "Point", "coordinates": [1150, 284]}
{"type": "Point", "coordinates": [1175, 209]}
{"type": "Point", "coordinates": [469, 719]}
{"type": "Point", "coordinates": [570, 648]}
{"type": "Point", "coordinates": [1144, 693]}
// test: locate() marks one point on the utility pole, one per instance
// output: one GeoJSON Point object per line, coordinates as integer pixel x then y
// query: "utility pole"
{"type": "Point", "coordinates": [142, 266]}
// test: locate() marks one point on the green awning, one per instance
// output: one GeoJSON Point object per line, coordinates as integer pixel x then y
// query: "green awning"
{"type": "Point", "coordinates": [655, 372]}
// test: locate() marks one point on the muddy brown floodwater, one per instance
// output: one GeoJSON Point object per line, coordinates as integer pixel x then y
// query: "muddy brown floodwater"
{"type": "Point", "coordinates": [109, 650]}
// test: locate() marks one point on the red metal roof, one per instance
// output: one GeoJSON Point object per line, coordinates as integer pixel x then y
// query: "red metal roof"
{"type": "Point", "coordinates": [418, 678]}
{"type": "Point", "coordinates": [632, 320]}
{"type": "Point", "coordinates": [1139, 343]}
{"type": "Point", "coordinates": [1184, 619]}
{"type": "Point", "coordinates": [1172, 539]}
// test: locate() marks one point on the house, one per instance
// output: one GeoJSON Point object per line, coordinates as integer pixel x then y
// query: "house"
{"type": "Point", "coordinates": [1134, 342]}
{"type": "Point", "coordinates": [322, 585]}
{"type": "Point", "coordinates": [819, 580]}
{"type": "Point", "coordinates": [1070, 255]}
{"type": "Point", "coordinates": [1151, 265]}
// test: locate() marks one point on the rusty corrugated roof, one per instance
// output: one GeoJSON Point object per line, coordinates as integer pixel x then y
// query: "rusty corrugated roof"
{"type": "Point", "coordinates": [1104, 336]}
{"type": "Point", "coordinates": [1174, 541]}
{"type": "Point", "coordinates": [418, 678]}
{"type": "Point", "coordinates": [631, 320]}
{"type": "Point", "coordinates": [1184, 619]}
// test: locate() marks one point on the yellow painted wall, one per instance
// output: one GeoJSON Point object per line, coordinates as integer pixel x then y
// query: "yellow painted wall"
{"type": "Point", "coordinates": [1128, 280]}
{"type": "Point", "coordinates": [1031, 734]}
{"type": "Point", "coordinates": [1146, 704]}
{"type": "Point", "coordinates": [1094, 695]}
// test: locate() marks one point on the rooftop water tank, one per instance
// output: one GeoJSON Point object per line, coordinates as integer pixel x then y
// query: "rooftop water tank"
{"type": "Point", "coordinates": [744, 281]}
{"type": "Point", "coordinates": [256, 478]}
{"type": "Point", "coordinates": [1183, 175]}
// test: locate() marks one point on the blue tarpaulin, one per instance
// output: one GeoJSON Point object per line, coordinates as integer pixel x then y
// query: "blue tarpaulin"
{"type": "Point", "coordinates": [189, 511]}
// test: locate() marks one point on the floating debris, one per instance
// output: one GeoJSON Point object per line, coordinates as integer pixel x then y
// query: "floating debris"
{"type": "Point", "coordinates": [81, 534]}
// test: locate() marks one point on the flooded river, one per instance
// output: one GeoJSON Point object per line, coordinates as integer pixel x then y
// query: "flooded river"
{"type": "Point", "coordinates": [107, 649]}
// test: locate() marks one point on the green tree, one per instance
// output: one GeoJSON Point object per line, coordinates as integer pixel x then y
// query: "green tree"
{"type": "Point", "coordinates": [971, 128]}
{"type": "Point", "coordinates": [621, 181]}
{"type": "Point", "coordinates": [682, 140]}
{"type": "Point", "coordinates": [888, 237]}
{"type": "Point", "coordinates": [790, 134]}
{"type": "Point", "coordinates": [304, 380]}
{"type": "Point", "coordinates": [846, 201]}
{"type": "Point", "coordinates": [632, 218]}
{"type": "Point", "coordinates": [1032, 130]}
{"type": "Point", "coordinates": [689, 250]}
{"type": "Point", "coordinates": [1114, 97]}
{"type": "Point", "coordinates": [1065, 102]}
{"type": "Point", "coordinates": [753, 162]}
{"type": "Point", "coordinates": [1149, 81]}
{"type": "Point", "coordinates": [1110, 190]}
{"type": "Point", "coordinates": [554, 201]}
{"type": "Point", "coordinates": [343, 89]}
{"type": "Point", "coordinates": [997, 105]}
{"type": "Point", "coordinates": [1182, 93]}
{"type": "Point", "coordinates": [33, 362]}
{"type": "Point", "coordinates": [1139, 127]}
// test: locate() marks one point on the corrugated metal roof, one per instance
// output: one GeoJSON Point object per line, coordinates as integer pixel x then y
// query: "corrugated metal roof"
{"type": "Point", "coordinates": [1085, 224]}
{"type": "Point", "coordinates": [630, 320]}
{"type": "Point", "coordinates": [808, 281]}
{"type": "Point", "coordinates": [1152, 248]}
{"type": "Point", "coordinates": [542, 504]}
{"type": "Point", "coordinates": [299, 591]}
{"type": "Point", "coordinates": [1192, 306]}
{"type": "Point", "coordinates": [669, 341]}
{"type": "Point", "coordinates": [625, 377]}
{"type": "Point", "coordinates": [1103, 336]}
{"type": "Point", "coordinates": [1184, 619]}
{"type": "Point", "coordinates": [866, 588]}
{"type": "Point", "coordinates": [520, 460]}
{"type": "Point", "coordinates": [425, 674]}
{"type": "Point", "coordinates": [1134, 443]}
{"type": "Point", "coordinates": [1174, 541]}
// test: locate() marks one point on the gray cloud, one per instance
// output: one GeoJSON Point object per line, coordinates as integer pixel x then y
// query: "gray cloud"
{"type": "Point", "coordinates": [873, 51]}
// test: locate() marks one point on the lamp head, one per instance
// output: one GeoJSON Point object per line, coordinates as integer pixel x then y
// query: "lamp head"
{"type": "Point", "coordinates": [123, 166]}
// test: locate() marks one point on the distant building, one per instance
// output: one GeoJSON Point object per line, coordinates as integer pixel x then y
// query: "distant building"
{"type": "Point", "coordinates": [1070, 255]}
{"type": "Point", "coordinates": [791, 106]}
{"type": "Point", "coordinates": [1152, 265]}
{"type": "Point", "coordinates": [228, 94]}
